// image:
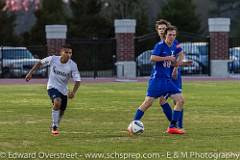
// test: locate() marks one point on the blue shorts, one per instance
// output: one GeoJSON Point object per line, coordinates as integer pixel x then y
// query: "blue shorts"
{"type": "Point", "coordinates": [178, 84]}
{"type": "Point", "coordinates": [161, 87]}
{"type": "Point", "coordinates": [54, 93]}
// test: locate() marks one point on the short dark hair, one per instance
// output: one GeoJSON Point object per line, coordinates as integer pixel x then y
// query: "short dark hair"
{"type": "Point", "coordinates": [161, 22]}
{"type": "Point", "coordinates": [170, 28]}
{"type": "Point", "coordinates": [67, 46]}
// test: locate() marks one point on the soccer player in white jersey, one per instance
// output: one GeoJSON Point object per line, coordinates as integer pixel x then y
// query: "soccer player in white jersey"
{"type": "Point", "coordinates": [62, 68]}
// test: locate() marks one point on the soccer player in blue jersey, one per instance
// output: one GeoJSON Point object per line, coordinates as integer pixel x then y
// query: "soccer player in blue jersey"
{"type": "Point", "coordinates": [160, 82]}
{"type": "Point", "coordinates": [161, 25]}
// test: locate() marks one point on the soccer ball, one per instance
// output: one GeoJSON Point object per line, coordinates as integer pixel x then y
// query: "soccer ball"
{"type": "Point", "coordinates": [136, 127]}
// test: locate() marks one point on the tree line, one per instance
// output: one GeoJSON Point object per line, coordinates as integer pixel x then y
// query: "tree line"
{"type": "Point", "coordinates": [95, 18]}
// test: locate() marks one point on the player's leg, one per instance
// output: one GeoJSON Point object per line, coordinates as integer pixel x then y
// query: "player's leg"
{"type": "Point", "coordinates": [147, 103]}
{"type": "Point", "coordinates": [180, 120]}
{"type": "Point", "coordinates": [60, 115]}
{"type": "Point", "coordinates": [167, 110]}
{"type": "Point", "coordinates": [178, 98]}
{"type": "Point", "coordinates": [152, 91]}
{"type": "Point", "coordinates": [56, 101]}
{"type": "Point", "coordinates": [178, 83]}
{"type": "Point", "coordinates": [63, 107]}
{"type": "Point", "coordinates": [56, 114]}
{"type": "Point", "coordinates": [140, 111]}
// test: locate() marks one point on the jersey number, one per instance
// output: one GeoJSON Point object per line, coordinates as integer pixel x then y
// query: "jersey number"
{"type": "Point", "coordinates": [167, 64]}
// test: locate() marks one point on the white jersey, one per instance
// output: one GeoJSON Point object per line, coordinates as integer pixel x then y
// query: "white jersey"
{"type": "Point", "coordinates": [60, 73]}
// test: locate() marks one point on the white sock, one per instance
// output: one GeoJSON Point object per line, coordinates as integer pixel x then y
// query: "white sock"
{"type": "Point", "coordinates": [55, 117]}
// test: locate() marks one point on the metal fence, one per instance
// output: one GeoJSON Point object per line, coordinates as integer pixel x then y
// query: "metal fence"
{"type": "Point", "coordinates": [234, 55]}
{"type": "Point", "coordinates": [94, 57]}
{"type": "Point", "coordinates": [195, 47]}
{"type": "Point", "coordinates": [143, 49]}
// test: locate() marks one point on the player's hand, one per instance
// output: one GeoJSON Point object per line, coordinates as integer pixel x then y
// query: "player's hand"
{"type": "Point", "coordinates": [174, 64]}
{"type": "Point", "coordinates": [187, 63]}
{"type": "Point", "coordinates": [171, 58]}
{"type": "Point", "coordinates": [175, 73]}
{"type": "Point", "coordinates": [71, 94]}
{"type": "Point", "coordinates": [28, 77]}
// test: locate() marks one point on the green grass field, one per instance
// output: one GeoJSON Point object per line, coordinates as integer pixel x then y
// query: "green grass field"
{"type": "Point", "coordinates": [96, 122]}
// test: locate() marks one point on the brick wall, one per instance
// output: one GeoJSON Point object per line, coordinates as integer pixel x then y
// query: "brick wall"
{"type": "Point", "coordinates": [56, 37]}
{"type": "Point", "coordinates": [219, 45]}
{"type": "Point", "coordinates": [54, 46]}
{"type": "Point", "coordinates": [125, 46]}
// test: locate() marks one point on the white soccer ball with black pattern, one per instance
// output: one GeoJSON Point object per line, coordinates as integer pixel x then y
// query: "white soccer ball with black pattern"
{"type": "Point", "coordinates": [137, 127]}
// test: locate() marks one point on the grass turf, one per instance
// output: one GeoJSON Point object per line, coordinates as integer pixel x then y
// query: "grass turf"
{"type": "Point", "coordinates": [96, 120]}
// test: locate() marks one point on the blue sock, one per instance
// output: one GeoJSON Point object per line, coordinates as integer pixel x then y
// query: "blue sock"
{"type": "Point", "coordinates": [138, 114]}
{"type": "Point", "coordinates": [180, 120]}
{"type": "Point", "coordinates": [175, 118]}
{"type": "Point", "coordinates": [167, 110]}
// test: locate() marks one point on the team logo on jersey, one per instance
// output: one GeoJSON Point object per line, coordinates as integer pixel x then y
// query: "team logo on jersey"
{"type": "Point", "coordinates": [60, 72]}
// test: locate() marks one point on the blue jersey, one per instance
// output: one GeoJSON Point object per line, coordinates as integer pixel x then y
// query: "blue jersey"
{"type": "Point", "coordinates": [161, 82]}
{"type": "Point", "coordinates": [163, 69]}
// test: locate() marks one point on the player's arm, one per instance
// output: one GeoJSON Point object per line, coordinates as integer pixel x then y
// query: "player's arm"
{"type": "Point", "coordinates": [155, 58]}
{"type": "Point", "coordinates": [72, 93]}
{"type": "Point", "coordinates": [34, 68]}
{"type": "Point", "coordinates": [181, 61]}
{"type": "Point", "coordinates": [157, 54]}
{"type": "Point", "coordinates": [76, 77]}
{"type": "Point", "coordinates": [186, 63]}
{"type": "Point", "coordinates": [46, 61]}
{"type": "Point", "coordinates": [177, 64]}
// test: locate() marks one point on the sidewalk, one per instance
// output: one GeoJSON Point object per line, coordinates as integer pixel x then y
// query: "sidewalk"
{"type": "Point", "coordinates": [114, 79]}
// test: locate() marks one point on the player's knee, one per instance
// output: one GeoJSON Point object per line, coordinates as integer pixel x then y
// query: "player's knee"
{"type": "Point", "coordinates": [146, 104]}
{"type": "Point", "coordinates": [162, 100]}
{"type": "Point", "coordinates": [180, 101]}
{"type": "Point", "coordinates": [56, 104]}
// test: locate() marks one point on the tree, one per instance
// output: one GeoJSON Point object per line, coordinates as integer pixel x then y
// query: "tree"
{"type": "Point", "coordinates": [221, 8]}
{"type": "Point", "coordinates": [182, 14]}
{"type": "Point", "coordinates": [230, 9]}
{"type": "Point", "coordinates": [86, 20]}
{"type": "Point", "coordinates": [7, 21]}
{"type": "Point", "coordinates": [129, 9]}
{"type": "Point", "coordinates": [51, 12]}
